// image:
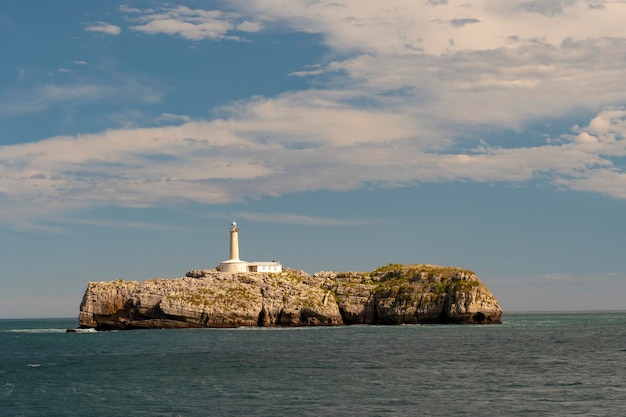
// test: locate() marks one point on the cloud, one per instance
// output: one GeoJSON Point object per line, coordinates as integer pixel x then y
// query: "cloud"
{"type": "Point", "coordinates": [599, 5]}
{"type": "Point", "coordinates": [247, 26]}
{"type": "Point", "coordinates": [192, 24]}
{"type": "Point", "coordinates": [552, 67]}
{"type": "Point", "coordinates": [457, 23]}
{"type": "Point", "coordinates": [29, 227]}
{"type": "Point", "coordinates": [557, 277]}
{"type": "Point", "coordinates": [119, 224]}
{"type": "Point", "coordinates": [213, 30]}
{"type": "Point", "coordinates": [172, 118]}
{"type": "Point", "coordinates": [209, 162]}
{"type": "Point", "coordinates": [397, 105]}
{"type": "Point", "coordinates": [80, 62]}
{"type": "Point", "coordinates": [277, 146]}
{"type": "Point", "coordinates": [288, 218]}
{"type": "Point", "coordinates": [133, 118]}
{"type": "Point", "coordinates": [103, 27]}
{"type": "Point", "coordinates": [25, 100]}
{"type": "Point", "coordinates": [126, 9]}
{"type": "Point", "coordinates": [544, 7]}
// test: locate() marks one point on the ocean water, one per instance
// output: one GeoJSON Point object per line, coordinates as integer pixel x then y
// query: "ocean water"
{"type": "Point", "coordinates": [542, 364]}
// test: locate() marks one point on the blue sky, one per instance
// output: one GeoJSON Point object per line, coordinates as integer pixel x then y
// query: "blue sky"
{"type": "Point", "coordinates": [341, 135]}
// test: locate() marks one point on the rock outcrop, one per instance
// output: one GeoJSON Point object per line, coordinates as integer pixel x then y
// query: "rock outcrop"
{"type": "Point", "coordinates": [419, 294]}
{"type": "Point", "coordinates": [394, 294]}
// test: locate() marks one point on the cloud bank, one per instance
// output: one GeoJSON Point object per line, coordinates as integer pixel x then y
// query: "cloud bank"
{"type": "Point", "coordinates": [409, 88]}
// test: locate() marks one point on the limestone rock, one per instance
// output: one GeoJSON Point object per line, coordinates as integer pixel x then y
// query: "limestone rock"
{"type": "Point", "coordinates": [432, 294]}
{"type": "Point", "coordinates": [354, 294]}
{"type": "Point", "coordinates": [210, 299]}
{"type": "Point", "coordinates": [394, 294]}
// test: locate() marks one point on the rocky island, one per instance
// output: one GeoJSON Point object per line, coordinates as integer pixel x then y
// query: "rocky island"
{"type": "Point", "coordinates": [393, 294]}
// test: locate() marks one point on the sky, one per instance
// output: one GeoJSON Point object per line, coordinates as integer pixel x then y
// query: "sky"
{"type": "Point", "coordinates": [340, 135]}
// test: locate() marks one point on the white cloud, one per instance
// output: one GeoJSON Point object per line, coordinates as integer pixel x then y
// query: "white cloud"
{"type": "Point", "coordinates": [273, 147]}
{"type": "Point", "coordinates": [80, 62]}
{"type": "Point", "coordinates": [126, 9]}
{"type": "Point", "coordinates": [210, 30]}
{"type": "Point", "coordinates": [133, 118]}
{"type": "Point", "coordinates": [509, 62]}
{"type": "Point", "coordinates": [173, 118]}
{"type": "Point", "coordinates": [289, 218]}
{"type": "Point", "coordinates": [399, 102]}
{"type": "Point", "coordinates": [247, 26]}
{"type": "Point", "coordinates": [103, 27]}
{"type": "Point", "coordinates": [193, 24]}
{"type": "Point", "coordinates": [406, 25]}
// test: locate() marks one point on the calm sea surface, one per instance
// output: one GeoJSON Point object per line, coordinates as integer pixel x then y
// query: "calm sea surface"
{"type": "Point", "coordinates": [532, 365]}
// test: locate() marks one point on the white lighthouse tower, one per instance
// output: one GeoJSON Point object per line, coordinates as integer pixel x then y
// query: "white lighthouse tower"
{"type": "Point", "coordinates": [234, 264]}
{"type": "Point", "coordinates": [234, 241]}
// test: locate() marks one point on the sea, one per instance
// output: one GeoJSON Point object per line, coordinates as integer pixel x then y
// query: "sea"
{"type": "Point", "coordinates": [534, 364]}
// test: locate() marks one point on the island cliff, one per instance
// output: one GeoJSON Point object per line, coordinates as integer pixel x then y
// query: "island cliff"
{"type": "Point", "coordinates": [394, 294]}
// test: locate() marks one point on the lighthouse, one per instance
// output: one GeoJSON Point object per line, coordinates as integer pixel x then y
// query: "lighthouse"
{"type": "Point", "coordinates": [234, 264]}
{"type": "Point", "coordinates": [234, 242]}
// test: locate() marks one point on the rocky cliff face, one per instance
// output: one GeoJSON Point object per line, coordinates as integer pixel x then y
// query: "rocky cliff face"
{"type": "Point", "coordinates": [403, 294]}
{"type": "Point", "coordinates": [394, 294]}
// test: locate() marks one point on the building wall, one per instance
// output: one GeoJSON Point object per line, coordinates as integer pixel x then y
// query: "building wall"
{"type": "Point", "coordinates": [269, 267]}
{"type": "Point", "coordinates": [243, 266]}
{"type": "Point", "coordinates": [234, 267]}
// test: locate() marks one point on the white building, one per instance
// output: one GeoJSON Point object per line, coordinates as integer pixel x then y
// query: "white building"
{"type": "Point", "coordinates": [234, 264]}
{"type": "Point", "coordinates": [264, 267]}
